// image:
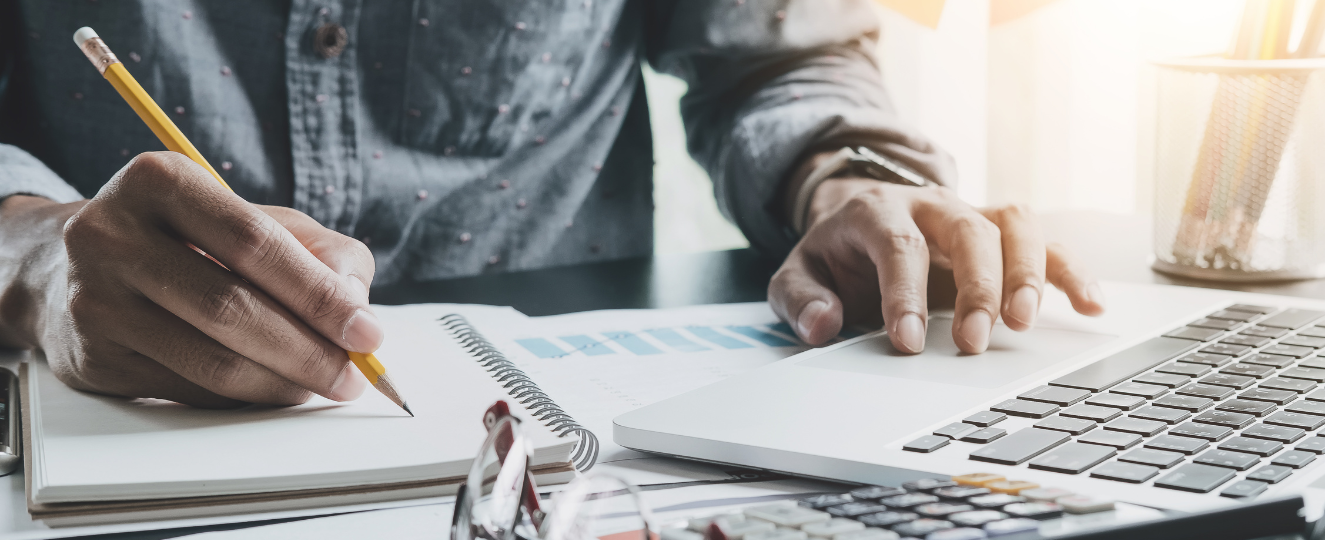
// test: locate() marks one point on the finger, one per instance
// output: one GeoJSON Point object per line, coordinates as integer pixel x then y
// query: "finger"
{"type": "Point", "coordinates": [345, 256]}
{"type": "Point", "coordinates": [803, 298]}
{"type": "Point", "coordinates": [973, 244]}
{"type": "Point", "coordinates": [112, 369]}
{"type": "Point", "coordinates": [1066, 273]}
{"type": "Point", "coordinates": [900, 254]}
{"type": "Point", "coordinates": [1023, 264]}
{"type": "Point", "coordinates": [187, 200]}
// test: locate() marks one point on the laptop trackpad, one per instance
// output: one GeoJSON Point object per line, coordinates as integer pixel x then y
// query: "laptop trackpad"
{"type": "Point", "coordinates": [1011, 356]}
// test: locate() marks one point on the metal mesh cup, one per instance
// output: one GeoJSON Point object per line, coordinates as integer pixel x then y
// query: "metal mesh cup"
{"type": "Point", "coordinates": [1240, 169]}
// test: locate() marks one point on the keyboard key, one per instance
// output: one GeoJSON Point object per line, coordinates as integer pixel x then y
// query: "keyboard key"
{"type": "Point", "coordinates": [1251, 308]}
{"type": "Point", "coordinates": [1124, 365]}
{"type": "Point", "coordinates": [1228, 459]}
{"type": "Point", "coordinates": [1075, 426]}
{"type": "Point", "coordinates": [1260, 447]}
{"type": "Point", "coordinates": [939, 510]}
{"type": "Point", "coordinates": [1202, 431]}
{"type": "Point", "coordinates": [886, 519]}
{"type": "Point", "coordinates": [960, 492]}
{"type": "Point", "coordinates": [1136, 425]}
{"type": "Point", "coordinates": [1117, 401]}
{"type": "Point", "coordinates": [1250, 370]}
{"type": "Point", "coordinates": [1174, 443]}
{"type": "Point", "coordinates": [910, 500]}
{"type": "Point", "coordinates": [1116, 439]}
{"type": "Point", "coordinates": [1308, 422]}
{"type": "Point", "coordinates": [1291, 318]}
{"type": "Point", "coordinates": [1224, 418]}
{"type": "Point", "coordinates": [1195, 333]}
{"type": "Point", "coordinates": [1291, 385]}
{"type": "Point", "coordinates": [1313, 362]}
{"type": "Point", "coordinates": [1196, 478]}
{"type": "Point", "coordinates": [1277, 397]}
{"type": "Point", "coordinates": [1227, 349]}
{"type": "Point", "coordinates": [1273, 433]}
{"type": "Point", "coordinates": [832, 527]}
{"type": "Point", "coordinates": [1305, 341]}
{"type": "Point", "coordinates": [956, 430]}
{"type": "Point", "coordinates": [1125, 472]}
{"type": "Point", "coordinates": [928, 484]}
{"type": "Point", "coordinates": [1230, 315]}
{"type": "Point", "coordinates": [1310, 374]}
{"type": "Point", "coordinates": [1243, 489]}
{"type": "Point", "coordinates": [1318, 395]}
{"type": "Point", "coordinates": [1162, 379]}
{"type": "Point", "coordinates": [997, 500]}
{"type": "Point", "coordinates": [1264, 331]}
{"type": "Point", "coordinates": [1072, 458]}
{"type": "Point", "coordinates": [1011, 526]}
{"type": "Point", "coordinates": [1049, 494]}
{"type": "Point", "coordinates": [926, 444]}
{"type": "Point", "coordinates": [978, 479]}
{"type": "Point", "coordinates": [1058, 395]}
{"type": "Point", "coordinates": [1011, 487]}
{"type": "Point", "coordinates": [1020, 446]}
{"type": "Point", "coordinates": [1162, 414]}
{"type": "Point", "coordinates": [1272, 360]}
{"type": "Point", "coordinates": [1293, 458]}
{"type": "Point", "coordinates": [1184, 368]}
{"type": "Point", "coordinates": [1084, 504]}
{"type": "Point", "coordinates": [985, 418]}
{"type": "Point", "coordinates": [853, 509]}
{"type": "Point", "coordinates": [1245, 406]}
{"type": "Point", "coordinates": [1232, 381]}
{"type": "Point", "coordinates": [816, 502]}
{"type": "Point", "coordinates": [976, 518]}
{"type": "Point", "coordinates": [1092, 412]}
{"type": "Point", "coordinates": [985, 435]}
{"type": "Point", "coordinates": [1186, 403]}
{"type": "Point", "coordinates": [1307, 407]}
{"type": "Point", "coordinates": [1270, 473]}
{"type": "Point", "coordinates": [1028, 409]}
{"type": "Point", "coordinates": [1148, 391]}
{"type": "Point", "coordinates": [921, 528]}
{"type": "Point", "coordinates": [1155, 458]}
{"type": "Point", "coordinates": [874, 493]}
{"type": "Point", "coordinates": [1205, 391]}
{"type": "Point", "coordinates": [1314, 331]}
{"type": "Point", "coordinates": [1209, 359]}
{"type": "Point", "coordinates": [1289, 350]}
{"type": "Point", "coordinates": [1314, 444]}
{"type": "Point", "coordinates": [1217, 324]}
{"type": "Point", "coordinates": [1250, 341]}
{"type": "Point", "coordinates": [785, 515]}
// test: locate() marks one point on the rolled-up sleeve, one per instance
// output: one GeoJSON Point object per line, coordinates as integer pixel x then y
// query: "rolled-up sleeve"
{"type": "Point", "coordinates": [771, 81]}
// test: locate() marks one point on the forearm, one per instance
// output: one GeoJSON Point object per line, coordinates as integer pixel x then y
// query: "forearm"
{"type": "Point", "coordinates": [32, 265]}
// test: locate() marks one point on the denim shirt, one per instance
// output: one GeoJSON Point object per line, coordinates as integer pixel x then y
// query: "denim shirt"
{"type": "Point", "coordinates": [454, 137]}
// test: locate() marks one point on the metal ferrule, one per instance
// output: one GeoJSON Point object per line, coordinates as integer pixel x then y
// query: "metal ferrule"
{"type": "Point", "coordinates": [99, 54]}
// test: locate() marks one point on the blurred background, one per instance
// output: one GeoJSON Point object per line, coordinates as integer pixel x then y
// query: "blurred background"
{"type": "Point", "coordinates": [1045, 102]}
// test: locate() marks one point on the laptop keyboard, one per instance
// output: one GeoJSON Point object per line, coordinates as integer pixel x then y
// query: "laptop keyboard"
{"type": "Point", "coordinates": [1230, 402]}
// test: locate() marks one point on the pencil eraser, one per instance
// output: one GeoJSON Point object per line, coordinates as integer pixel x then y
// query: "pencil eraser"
{"type": "Point", "coordinates": [83, 34]}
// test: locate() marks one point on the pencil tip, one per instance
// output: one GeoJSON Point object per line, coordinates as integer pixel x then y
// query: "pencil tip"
{"type": "Point", "coordinates": [406, 407]}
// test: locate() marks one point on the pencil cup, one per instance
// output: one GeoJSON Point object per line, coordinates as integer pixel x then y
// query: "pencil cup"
{"type": "Point", "coordinates": [1240, 169]}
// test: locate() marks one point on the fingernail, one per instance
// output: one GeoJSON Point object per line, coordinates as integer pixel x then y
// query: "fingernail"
{"type": "Point", "coordinates": [349, 385]}
{"type": "Point", "coordinates": [363, 333]}
{"type": "Point", "coordinates": [975, 331]}
{"type": "Point", "coordinates": [358, 287]}
{"type": "Point", "coordinates": [1023, 305]}
{"type": "Point", "coordinates": [910, 332]}
{"type": "Point", "coordinates": [1095, 295]}
{"type": "Point", "coordinates": [809, 314]}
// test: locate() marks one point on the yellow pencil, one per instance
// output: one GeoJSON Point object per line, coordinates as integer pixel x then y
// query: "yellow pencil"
{"type": "Point", "coordinates": [110, 67]}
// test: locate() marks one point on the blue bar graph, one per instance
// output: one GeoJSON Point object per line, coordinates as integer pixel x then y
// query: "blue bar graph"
{"type": "Point", "coordinates": [782, 328]}
{"type": "Point", "coordinates": [587, 345]}
{"type": "Point", "coordinates": [762, 337]}
{"type": "Point", "coordinates": [632, 343]}
{"type": "Point", "coordinates": [673, 339]}
{"type": "Point", "coordinates": [541, 348]}
{"type": "Point", "coordinates": [722, 340]}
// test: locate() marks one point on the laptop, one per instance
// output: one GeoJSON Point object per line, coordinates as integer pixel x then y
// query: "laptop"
{"type": "Point", "coordinates": [1177, 398]}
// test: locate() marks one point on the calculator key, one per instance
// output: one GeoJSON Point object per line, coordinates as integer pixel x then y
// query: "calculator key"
{"type": "Point", "coordinates": [1217, 324]}
{"type": "Point", "coordinates": [1243, 489]}
{"type": "Point", "coordinates": [985, 418]}
{"type": "Point", "coordinates": [960, 533]}
{"type": "Point", "coordinates": [1310, 374]}
{"type": "Point", "coordinates": [816, 502]}
{"type": "Point", "coordinates": [1202, 431]}
{"type": "Point", "coordinates": [1093, 413]}
{"type": "Point", "coordinates": [1289, 350]}
{"type": "Point", "coordinates": [1293, 458]}
{"type": "Point", "coordinates": [1264, 331]}
{"type": "Point", "coordinates": [1232, 381]}
{"type": "Point", "coordinates": [1205, 391]}
{"type": "Point", "coordinates": [886, 519]}
{"type": "Point", "coordinates": [1270, 473]}
{"type": "Point", "coordinates": [909, 500]}
{"type": "Point", "coordinates": [1260, 447]}
{"type": "Point", "coordinates": [874, 493]}
{"type": "Point", "coordinates": [1209, 359]}
{"type": "Point", "coordinates": [1116, 439]}
{"type": "Point", "coordinates": [1305, 341]}
{"type": "Point", "coordinates": [1084, 504]}
{"type": "Point", "coordinates": [1174, 443]}
{"type": "Point", "coordinates": [1117, 401]}
{"type": "Point", "coordinates": [1277, 397]}
{"type": "Point", "coordinates": [1237, 461]}
{"type": "Point", "coordinates": [1298, 420]}
{"type": "Point", "coordinates": [1291, 318]}
{"type": "Point", "coordinates": [780, 533]}
{"type": "Point", "coordinates": [921, 528]}
{"type": "Point", "coordinates": [1075, 426]}
{"type": "Point", "coordinates": [1048, 494]}
{"type": "Point", "coordinates": [1155, 458]}
{"type": "Point", "coordinates": [1314, 445]}
{"type": "Point", "coordinates": [1252, 308]}
{"type": "Point", "coordinates": [1058, 395]}
{"type": "Point", "coordinates": [939, 510]}
{"type": "Point", "coordinates": [1250, 370]}
{"type": "Point", "coordinates": [785, 515]}
{"type": "Point", "coordinates": [1273, 433]}
{"type": "Point", "coordinates": [926, 444]}
{"type": "Point", "coordinates": [1011, 526]}
{"type": "Point", "coordinates": [1184, 368]}
{"type": "Point", "coordinates": [960, 492]}
{"type": "Point", "coordinates": [1148, 391]}
{"type": "Point", "coordinates": [1125, 364]}
{"type": "Point", "coordinates": [976, 518]}
{"type": "Point", "coordinates": [985, 435]}
{"type": "Point", "coordinates": [1136, 425]}
{"type": "Point", "coordinates": [978, 479]}
{"type": "Point", "coordinates": [1250, 341]}
{"type": "Point", "coordinates": [1162, 414]}
{"type": "Point", "coordinates": [1224, 418]}
{"type": "Point", "coordinates": [867, 534]}
{"type": "Point", "coordinates": [956, 430]}
{"type": "Point", "coordinates": [1034, 510]}
{"type": "Point", "coordinates": [1028, 409]}
{"type": "Point", "coordinates": [1231, 315]}
{"type": "Point", "coordinates": [851, 509]}
{"type": "Point", "coordinates": [1307, 407]}
{"type": "Point", "coordinates": [928, 484]}
{"type": "Point", "coordinates": [1186, 403]}
{"type": "Point", "coordinates": [745, 527]}
{"type": "Point", "coordinates": [1125, 472]}
{"type": "Point", "coordinates": [1291, 385]}
{"type": "Point", "coordinates": [1226, 349]}
{"type": "Point", "coordinates": [1011, 487]}
{"type": "Point", "coordinates": [1195, 333]}
{"type": "Point", "coordinates": [1272, 360]}
{"type": "Point", "coordinates": [1196, 478]}
{"type": "Point", "coordinates": [831, 527]}
{"type": "Point", "coordinates": [679, 534]}
{"type": "Point", "coordinates": [1072, 458]}
{"type": "Point", "coordinates": [997, 500]}
{"type": "Point", "coordinates": [1245, 406]}
{"type": "Point", "coordinates": [1020, 446]}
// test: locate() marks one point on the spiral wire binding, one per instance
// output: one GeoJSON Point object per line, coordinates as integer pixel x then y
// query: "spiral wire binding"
{"type": "Point", "coordinates": [523, 389]}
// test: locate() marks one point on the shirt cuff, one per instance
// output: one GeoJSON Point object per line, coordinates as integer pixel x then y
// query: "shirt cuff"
{"type": "Point", "coordinates": [22, 174]}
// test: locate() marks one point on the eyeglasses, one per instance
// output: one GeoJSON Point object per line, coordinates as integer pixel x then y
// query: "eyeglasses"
{"type": "Point", "coordinates": [499, 499]}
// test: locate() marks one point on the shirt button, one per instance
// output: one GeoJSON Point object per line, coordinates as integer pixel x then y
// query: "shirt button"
{"type": "Point", "coordinates": [330, 40]}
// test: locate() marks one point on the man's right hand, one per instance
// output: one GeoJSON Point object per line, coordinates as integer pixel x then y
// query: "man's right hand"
{"type": "Point", "coordinates": [132, 308]}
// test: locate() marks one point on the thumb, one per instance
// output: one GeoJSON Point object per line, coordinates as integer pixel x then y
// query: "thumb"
{"type": "Point", "coordinates": [803, 299]}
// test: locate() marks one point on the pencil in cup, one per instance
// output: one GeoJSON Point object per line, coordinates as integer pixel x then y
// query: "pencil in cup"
{"type": "Point", "coordinates": [114, 71]}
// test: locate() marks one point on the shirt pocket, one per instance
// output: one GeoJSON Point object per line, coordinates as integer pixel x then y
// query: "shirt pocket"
{"type": "Point", "coordinates": [482, 77]}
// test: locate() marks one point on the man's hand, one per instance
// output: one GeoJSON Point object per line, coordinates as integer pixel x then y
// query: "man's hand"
{"type": "Point", "coordinates": [137, 310]}
{"type": "Point", "coordinates": [868, 250]}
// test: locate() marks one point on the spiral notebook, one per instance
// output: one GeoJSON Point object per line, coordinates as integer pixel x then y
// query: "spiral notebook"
{"type": "Point", "coordinates": [96, 459]}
